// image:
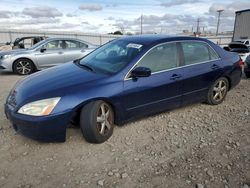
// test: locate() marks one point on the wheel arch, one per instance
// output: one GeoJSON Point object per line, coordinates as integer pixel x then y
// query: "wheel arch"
{"type": "Point", "coordinates": [77, 110]}
{"type": "Point", "coordinates": [23, 58]}
{"type": "Point", "coordinates": [229, 81]}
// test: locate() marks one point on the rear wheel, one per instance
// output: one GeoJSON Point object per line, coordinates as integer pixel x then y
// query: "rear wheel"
{"type": "Point", "coordinates": [23, 66]}
{"type": "Point", "coordinates": [97, 121]}
{"type": "Point", "coordinates": [247, 74]}
{"type": "Point", "coordinates": [218, 91]}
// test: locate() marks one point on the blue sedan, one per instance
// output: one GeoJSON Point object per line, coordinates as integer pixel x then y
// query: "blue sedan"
{"type": "Point", "coordinates": [125, 79]}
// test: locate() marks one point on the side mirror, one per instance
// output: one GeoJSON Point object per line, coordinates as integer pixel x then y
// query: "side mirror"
{"type": "Point", "coordinates": [42, 50]}
{"type": "Point", "coordinates": [7, 43]}
{"type": "Point", "coordinates": [141, 72]}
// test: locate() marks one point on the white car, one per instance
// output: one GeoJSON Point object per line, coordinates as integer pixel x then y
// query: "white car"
{"type": "Point", "coordinates": [239, 48]}
{"type": "Point", "coordinates": [45, 54]}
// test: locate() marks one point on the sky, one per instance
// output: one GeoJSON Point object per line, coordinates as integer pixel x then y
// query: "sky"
{"type": "Point", "coordinates": [99, 16]}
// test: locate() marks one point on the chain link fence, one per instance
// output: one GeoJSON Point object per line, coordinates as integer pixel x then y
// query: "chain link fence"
{"type": "Point", "coordinates": [11, 35]}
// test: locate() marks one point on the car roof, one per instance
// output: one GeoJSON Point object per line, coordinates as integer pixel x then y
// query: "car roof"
{"type": "Point", "coordinates": [157, 38]}
{"type": "Point", "coordinates": [62, 38]}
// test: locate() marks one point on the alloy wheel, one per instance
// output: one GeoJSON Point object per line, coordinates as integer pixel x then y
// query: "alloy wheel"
{"type": "Point", "coordinates": [23, 67]}
{"type": "Point", "coordinates": [104, 119]}
{"type": "Point", "coordinates": [219, 90]}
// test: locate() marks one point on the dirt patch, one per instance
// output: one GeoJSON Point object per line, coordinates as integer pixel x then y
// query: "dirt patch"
{"type": "Point", "coordinates": [195, 146]}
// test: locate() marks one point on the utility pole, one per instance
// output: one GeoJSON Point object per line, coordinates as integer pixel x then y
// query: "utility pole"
{"type": "Point", "coordinates": [218, 22]}
{"type": "Point", "coordinates": [141, 24]}
{"type": "Point", "coordinates": [198, 26]}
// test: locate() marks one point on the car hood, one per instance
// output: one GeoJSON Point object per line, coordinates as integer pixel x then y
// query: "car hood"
{"type": "Point", "coordinates": [57, 81]}
{"type": "Point", "coordinates": [13, 52]}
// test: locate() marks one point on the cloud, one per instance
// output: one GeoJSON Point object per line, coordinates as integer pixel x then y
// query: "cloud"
{"type": "Point", "coordinates": [85, 22]}
{"type": "Point", "coordinates": [173, 23]}
{"type": "Point", "coordinates": [8, 14]}
{"type": "Point", "coordinates": [70, 15]}
{"type": "Point", "coordinates": [171, 3]}
{"type": "Point", "coordinates": [42, 11]}
{"type": "Point", "coordinates": [229, 9]}
{"type": "Point", "coordinates": [5, 14]}
{"type": "Point", "coordinates": [110, 18]}
{"type": "Point", "coordinates": [90, 7]}
{"type": "Point", "coordinates": [23, 23]}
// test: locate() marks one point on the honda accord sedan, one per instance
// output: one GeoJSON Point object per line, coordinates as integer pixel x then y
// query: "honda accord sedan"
{"type": "Point", "coordinates": [47, 53]}
{"type": "Point", "coordinates": [125, 79]}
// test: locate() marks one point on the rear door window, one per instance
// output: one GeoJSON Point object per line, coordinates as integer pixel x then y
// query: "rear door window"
{"type": "Point", "coordinates": [72, 44]}
{"type": "Point", "coordinates": [197, 52]}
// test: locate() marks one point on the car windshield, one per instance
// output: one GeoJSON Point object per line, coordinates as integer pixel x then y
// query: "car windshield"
{"type": "Point", "coordinates": [111, 57]}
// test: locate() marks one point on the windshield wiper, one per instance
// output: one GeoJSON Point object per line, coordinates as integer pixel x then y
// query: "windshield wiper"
{"type": "Point", "coordinates": [87, 66]}
{"type": "Point", "coordinates": [84, 65]}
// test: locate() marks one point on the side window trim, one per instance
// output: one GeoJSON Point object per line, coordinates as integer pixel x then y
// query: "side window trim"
{"type": "Point", "coordinates": [162, 61]}
{"type": "Point", "coordinates": [51, 49]}
{"type": "Point", "coordinates": [209, 48]}
{"type": "Point", "coordinates": [180, 54]}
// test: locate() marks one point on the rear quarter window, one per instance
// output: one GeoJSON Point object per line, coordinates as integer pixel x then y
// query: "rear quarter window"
{"type": "Point", "coordinates": [197, 52]}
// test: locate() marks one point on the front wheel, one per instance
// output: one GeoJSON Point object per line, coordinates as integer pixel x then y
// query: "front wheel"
{"type": "Point", "coordinates": [97, 121]}
{"type": "Point", "coordinates": [218, 91]}
{"type": "Point", "coordinates": [23, 67]}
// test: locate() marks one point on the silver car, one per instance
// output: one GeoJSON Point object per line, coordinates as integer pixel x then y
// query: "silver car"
{"type": "Point", "coordinates": [47, 53]}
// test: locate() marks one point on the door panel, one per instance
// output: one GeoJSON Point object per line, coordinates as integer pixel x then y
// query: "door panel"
{"type": "Point", "coordinates": [200, 71]}
{"type": "Point", "coordinates": [74, 50]}
{"type": "Point", "coordinates": [155, 93]}
{"type": "Point", "coordinates": [53, 54]}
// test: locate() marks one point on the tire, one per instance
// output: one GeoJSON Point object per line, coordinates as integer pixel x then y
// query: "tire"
{"type": "Point", "coordinates": [218, 91]}
{"type": "Point", "coordinates": [23, 67]}
{"type": "Point", "coordinates": [95, 126]}
{"type": "Point", "coordinates": [247, 74]}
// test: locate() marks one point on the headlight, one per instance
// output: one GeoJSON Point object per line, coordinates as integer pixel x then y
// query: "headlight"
{"type": "Point", "coordinates": [6, 56]}
{"type": "Point", "coordinates": [39, 108]}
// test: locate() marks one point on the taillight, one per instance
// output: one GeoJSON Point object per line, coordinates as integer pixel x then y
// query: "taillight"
{"type": "Point", "coordinates": [241, 63]}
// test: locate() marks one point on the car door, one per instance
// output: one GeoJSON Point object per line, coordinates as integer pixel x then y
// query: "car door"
{"type": "Point", "coordinates": [161, 90]}
{"type": "Point", "coordinates": [202, 66]}
{"type": "Point", "coordinates": [74, 50]}
{"type": "Point", "coordinates": [50, 54]}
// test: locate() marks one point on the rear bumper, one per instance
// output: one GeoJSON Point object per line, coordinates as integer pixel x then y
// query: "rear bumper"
{"type": "Point", "coordinates": [45, 129]}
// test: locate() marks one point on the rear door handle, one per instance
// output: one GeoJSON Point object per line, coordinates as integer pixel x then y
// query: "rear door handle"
{"type": "Point", "coordinates": [214, 66]}
{"type": "Point", "coordinates": [60, 52]}
{"type": "Point", "coordinates": [175, 77]}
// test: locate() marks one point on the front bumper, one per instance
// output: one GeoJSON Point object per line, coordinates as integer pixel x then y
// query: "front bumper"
{"type": "Point", "coordinates": [6, 64]}
{"type": "Point", "coordinates": [50, 128]}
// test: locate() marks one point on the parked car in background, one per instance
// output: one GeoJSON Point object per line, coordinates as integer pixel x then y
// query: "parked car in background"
{"type": "Point", "coordinates": [125, 79]}
{"type": "Point", "coordinates": [239, 48]}
{"type": "Point", "coordinates": [46, 53]}
{"type": "Point", "coordinates": [247, 67]}
{"type": "Point", "coordinates": [246, 42]}
{"type": "Point", "coordinates": [24, 42]}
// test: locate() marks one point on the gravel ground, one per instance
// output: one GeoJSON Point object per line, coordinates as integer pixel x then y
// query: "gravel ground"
{"type": "Point", "coordinates": [196, 146]}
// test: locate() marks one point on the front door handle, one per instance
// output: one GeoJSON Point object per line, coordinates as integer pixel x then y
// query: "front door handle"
{"type": "Point", "coordinates": [175, 77]}
{"type": "Point", "coordinates": [214, 67]}
{"type": "Point", "coordinates": [60, 52]}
